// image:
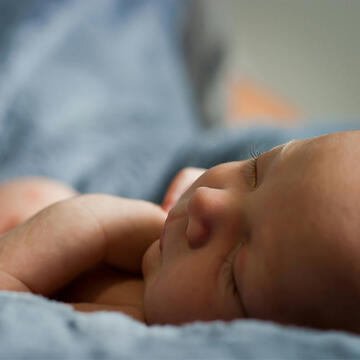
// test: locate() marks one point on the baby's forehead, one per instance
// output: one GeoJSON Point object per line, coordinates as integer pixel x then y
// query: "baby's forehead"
{"type": "Point", "coordinates": [332, 192]}
{"type": "Point", "coordinates": [337, 144]}
{"type": "Point", "coordinates": [319, 177]}
{"type": "Point", "coordinates": [330, 159]}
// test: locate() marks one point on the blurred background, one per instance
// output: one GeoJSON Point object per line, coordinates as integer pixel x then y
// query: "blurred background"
{"type": "Point", "coordinates": [275, 61]}
{"type": "Point", "coordinates": [90, 89]}
{"type": "Point", "coordinates": [252, 61]}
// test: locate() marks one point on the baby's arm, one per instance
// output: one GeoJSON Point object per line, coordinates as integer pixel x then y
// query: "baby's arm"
{"type": "Point", "coordinates": [58, 244]}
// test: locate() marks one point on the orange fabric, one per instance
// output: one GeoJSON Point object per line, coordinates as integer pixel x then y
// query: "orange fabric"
{"type": "Point", "coordinates": [248, 102]}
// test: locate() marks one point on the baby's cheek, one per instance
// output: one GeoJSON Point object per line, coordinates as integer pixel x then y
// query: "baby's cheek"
{"type": "Point", "coordinates": [248, 279]}
{"type": "Point", "coordinates": [240, 267]}
{"type": "Point", "coordinates": [261, 289]}
{"type": "Point", "coordinates": [240, 263]}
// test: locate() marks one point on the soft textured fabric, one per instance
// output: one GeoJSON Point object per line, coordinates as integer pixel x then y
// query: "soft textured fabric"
{"type": "Point", "coordinates": [90, 88]}
{"type": "Point", "coordinates": [35, 328]}
{"type": "Point", "coordinates": [94, 93]}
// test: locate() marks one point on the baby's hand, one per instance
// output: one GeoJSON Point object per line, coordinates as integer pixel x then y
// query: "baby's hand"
{"type": "Point", "coordinates": [48, 251]}
{"type": "Point", "coordinates": [179, 185]}
{"type": "Point", "coordinates": [130, 227]}
{"type": "Point", "coordinates": [22, 197]}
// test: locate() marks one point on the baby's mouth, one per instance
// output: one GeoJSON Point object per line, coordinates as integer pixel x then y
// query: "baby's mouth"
{"type": "Point", "coordinates": [161, 242]}
{"type": "Point", "coordinates": [177, 212]}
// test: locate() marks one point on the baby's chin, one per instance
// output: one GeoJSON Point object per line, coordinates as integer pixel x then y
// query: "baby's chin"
{"type": "Point", "coordinates": [151, 261]}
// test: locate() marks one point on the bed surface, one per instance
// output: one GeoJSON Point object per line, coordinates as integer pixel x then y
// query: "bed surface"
{"type": "Point", "coordinates": [54, 331]}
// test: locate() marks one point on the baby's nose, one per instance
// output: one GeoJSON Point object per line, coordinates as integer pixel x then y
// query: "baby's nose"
{"type": "Point", "coordinates": [206, 207]}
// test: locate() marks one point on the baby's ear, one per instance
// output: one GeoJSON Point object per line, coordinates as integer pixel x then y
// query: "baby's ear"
{"type": "Point", "coordinates": [206, 208]}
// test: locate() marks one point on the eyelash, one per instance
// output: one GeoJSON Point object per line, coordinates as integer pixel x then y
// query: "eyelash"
{"type": "Point", "coordinates": [251, 166]}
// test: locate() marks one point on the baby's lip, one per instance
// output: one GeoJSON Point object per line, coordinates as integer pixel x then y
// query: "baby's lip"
{"type": "Point", "coordinates": [177, 212]}
{"type": "Point", "coordinates": [161, 242]}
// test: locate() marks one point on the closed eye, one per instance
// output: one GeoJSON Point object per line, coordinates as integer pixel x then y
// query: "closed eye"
{"type": "Point", "coordinates": [250, 170]}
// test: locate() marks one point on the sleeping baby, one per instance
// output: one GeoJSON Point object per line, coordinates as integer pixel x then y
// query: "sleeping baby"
{"type": "Point", "coordinates": [274, 238]}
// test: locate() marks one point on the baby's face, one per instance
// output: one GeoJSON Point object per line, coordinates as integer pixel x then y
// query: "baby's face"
{"type": "Point", "coordinates": [267, 242]}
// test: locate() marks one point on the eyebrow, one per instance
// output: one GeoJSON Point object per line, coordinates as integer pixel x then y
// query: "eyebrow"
{"type": "Point", "coordinates": [286, 145]}
{"type": "Point", "coordinates": [284, 149]}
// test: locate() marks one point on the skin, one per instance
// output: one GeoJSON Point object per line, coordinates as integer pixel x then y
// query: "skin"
{"type": "Point", "coordinates": [283, 247]}
{"type": "Point", "coordinates": [23, 197]}
{"type": "Point", "coordinates": [85, 250]}
{"type": "Point", "coordinates": [182, 181]}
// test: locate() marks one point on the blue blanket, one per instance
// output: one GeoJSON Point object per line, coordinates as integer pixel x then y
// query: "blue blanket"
{"type": "Point", "coordinates": [94, 93]}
